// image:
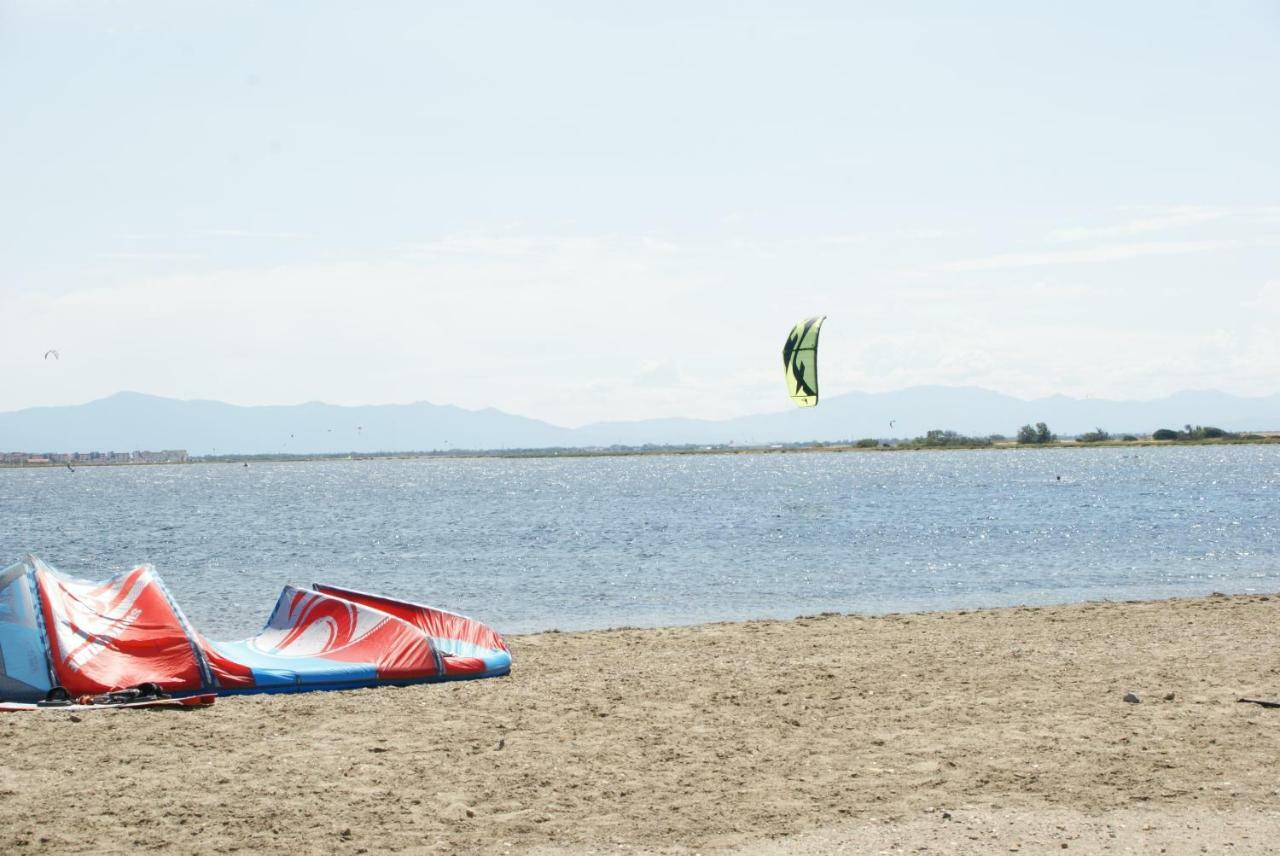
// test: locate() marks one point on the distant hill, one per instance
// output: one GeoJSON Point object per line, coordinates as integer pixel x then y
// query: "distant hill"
{"type": "Point", "coordinates": [129, 420]}
{"type": "Point", "coordinates": [969, 410]}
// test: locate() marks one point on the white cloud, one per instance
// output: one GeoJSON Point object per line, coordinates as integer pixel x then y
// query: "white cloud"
{"type": "Point", "coordinates": [583, 329]}
{"type": "Point", "coordinates": [1093, 255]}
{"type": "Point", "coordinates": [1174, 218]}
{"type": "Point", "coordinates": [1267, 298]}
{"type": "Point", "coordinates": [522, 324]}
{"type": "Point", "coordinates": [150, 257]}
{"type": "Point", "coordinates": [488, 246]}
{"type": "Point", "coordinates": [658, 373]}
{"type": "Point", "coordinates": [249, 234]}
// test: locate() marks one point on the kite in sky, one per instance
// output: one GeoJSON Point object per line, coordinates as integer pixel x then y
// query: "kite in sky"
{"type": "Point", "coordinates": [800, 361]}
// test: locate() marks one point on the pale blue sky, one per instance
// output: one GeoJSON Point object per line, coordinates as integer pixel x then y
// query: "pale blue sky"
{"type": "Point", "coordinates": [579, 212]}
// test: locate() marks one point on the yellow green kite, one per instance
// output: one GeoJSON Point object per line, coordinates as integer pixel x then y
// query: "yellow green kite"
{"type": "Point", "coordinates": [800, 361]}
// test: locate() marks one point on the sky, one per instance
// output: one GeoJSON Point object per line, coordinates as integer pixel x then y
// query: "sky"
{"type": "Point", "coordinates": [583, 212]}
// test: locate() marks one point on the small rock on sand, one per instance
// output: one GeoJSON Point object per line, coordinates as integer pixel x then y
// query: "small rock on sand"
{"type": "Point", "coordinates": [1132, 698]}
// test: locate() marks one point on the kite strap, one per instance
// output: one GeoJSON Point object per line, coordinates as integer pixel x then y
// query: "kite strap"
{"type": "Point", "coordinates": [141, 692]}
{"type": "Point", "coordinates": [56, 697]}
{"type": "Point", "coordinates": [59, 697]}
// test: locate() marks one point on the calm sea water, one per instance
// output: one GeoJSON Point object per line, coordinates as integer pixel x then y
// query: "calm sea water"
{"type": "Point", "coordinates": [595, 542]}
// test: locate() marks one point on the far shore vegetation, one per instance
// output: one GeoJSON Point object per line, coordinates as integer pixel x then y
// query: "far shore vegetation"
{"type": "Point", "coordinates": [1028, 436]}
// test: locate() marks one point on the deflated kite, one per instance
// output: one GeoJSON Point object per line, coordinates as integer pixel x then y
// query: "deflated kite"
{"type": "Point", "coordinates": [69, 637]}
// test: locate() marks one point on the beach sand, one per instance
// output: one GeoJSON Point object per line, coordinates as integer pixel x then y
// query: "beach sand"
{"type": "Point", "coordinates": [981, 731]}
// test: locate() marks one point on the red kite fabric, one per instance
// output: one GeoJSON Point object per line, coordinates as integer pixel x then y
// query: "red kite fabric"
{"type": "Point", "coordinates": [91, 638]}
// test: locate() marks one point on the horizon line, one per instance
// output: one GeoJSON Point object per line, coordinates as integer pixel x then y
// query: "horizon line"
{"type": "Point", "coordinates": [487, 408]}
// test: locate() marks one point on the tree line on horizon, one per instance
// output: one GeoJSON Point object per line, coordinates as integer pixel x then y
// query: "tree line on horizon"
{"type": "Point", "coordinates": [1040, 434]}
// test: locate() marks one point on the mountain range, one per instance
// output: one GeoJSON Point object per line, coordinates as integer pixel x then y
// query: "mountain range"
{"type": "Point", "coordinates": [129, 420]}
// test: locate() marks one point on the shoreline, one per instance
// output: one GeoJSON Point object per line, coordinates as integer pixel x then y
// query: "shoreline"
{"type": "Point", "coordinates": [1262, 439]}
{"type": "Point", "coordinates": [958, 731]}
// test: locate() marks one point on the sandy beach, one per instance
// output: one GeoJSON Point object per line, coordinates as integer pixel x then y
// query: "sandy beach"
{"type": "Point", "coordinates": [946, 732]}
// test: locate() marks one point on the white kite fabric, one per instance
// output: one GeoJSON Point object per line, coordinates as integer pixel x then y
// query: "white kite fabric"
{"type": "Point", "coordinates": [80, 638]}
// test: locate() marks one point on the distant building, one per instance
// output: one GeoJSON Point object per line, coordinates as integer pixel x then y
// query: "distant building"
{"type": "Point", "coordinates": [165, 456]}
